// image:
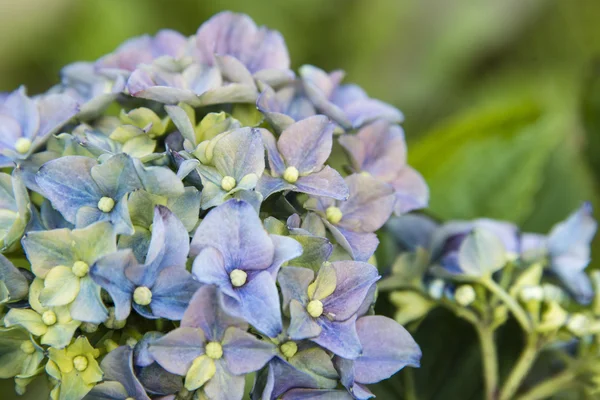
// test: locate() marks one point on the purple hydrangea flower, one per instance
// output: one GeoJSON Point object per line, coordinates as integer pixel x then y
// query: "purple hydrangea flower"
{"type": "Point", "coordinates": [162, 287]}
{"type": "Point", "coordinates": [386, 348]}
{"type": "Point", "coordinates": [301, 365]}
{"type": "Point", "coordinates": [93, 91]}
{"type": "Point", "coordinates": [143, 50]}
{"type": "Point", "coordinates": [297, 161]}
{"type": "Point", "coordinates": [316, 394]}
{"type": "Point", "coordinates": [567, 248]}
{"type": "Point", "coordinates": [352, 222]}
{"type": "Point", "coordinates": [26, 123]}
{"type": "Point", "coordinates": [455, 245]}
{"type": "Point", "coordinates": [86, 192]}
{"type": "Point", "coordinates": [236, 39]}
{"type": "Point", "coordinates": [286, 106]}
{"type": "Point", "coordinates": [324, 309]}
{"type": "Point", "coordinates": [236, 160]}
{"type": "Point", "coordinates": [380, 150]}
{"type": "Point", "coordinates": [119, 381]}
{"type": "Point", "coordinates": [348, 105]}
{"type": "Point", "coordinates": [211, 349]}
{"type": "Point", "coordinates": [235, 252]}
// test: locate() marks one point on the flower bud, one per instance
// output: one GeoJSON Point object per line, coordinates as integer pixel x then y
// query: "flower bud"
{"type": "Point", "coordinates": [291, 174]}
{"type": "Point", "coordinates": [289, 349]}
{"type": "Point", "coordinates": [531, 293]}
{"type": "Point", "coordinates": [553, 318]}
{"type": "Point", "coordinates": [333, 214]}
{"type": "Point", "coordinates": [465, 295]}
{"type": "Point", "coordinates": [436, 289]}
{"type": "Point", "coordinates": [80, 269]}
{"type": "Point", "coordinates": [23, 145]}
{"type": "Point", "coordinates": [238, 277]}
{"type": "Point", "coordinates": [106, 204]}
{"type": "Point", "coordinates": [27, 347]}
{"type": "Point", "coordinates": [49, 318]}
{"type": "Point", "coordinates": [214, 350]}
{"type": "Point", "coordinates": [578, 324]}
{"type": "Point", "coordinates": [228, 183]}
{"type": "Point", "coordinates": [142, 296]}
{"type": "Point", "coordinates": [80, 363]}
{"type": "Point", "coordinates": [314, 308]}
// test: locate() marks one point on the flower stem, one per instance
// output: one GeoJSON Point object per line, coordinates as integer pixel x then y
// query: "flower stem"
{"type": "Point", "coordinates": [551, 386]}
{"type": "Point", "coordinates": [510, 302]}
{"type": "Point", "coordinates": [521, 368]}
{"type": "Point", "coordinates": [489, 358]}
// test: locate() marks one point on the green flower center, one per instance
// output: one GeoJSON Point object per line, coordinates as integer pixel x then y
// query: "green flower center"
{"type": "Point", "coordinates": [106, 204]}
{"type": "Point", "coordinates": [80, 363]}
{"type": "Point", "coordinates": [49, 317]}
{"type": "Point", "coordinates": [465, 295]}
{"type": "Point", "coordinates": [333, 214]}
{"type": "Point", "coordinates": [22, 145]}
{"type": "Point", "coordinates": [314, 308]}
{"type": "Point", "coordinates": [238, 277]}
{"type": "Point", "coordinates": [289, 349]}
{"type": "Point", "coordinates": [291, 174]}
{"type": "Point", "coordinates": [214, 350]}
{"type": "Point", "coordinates": [27, 347]}
{"type": "Point", "coordinates": [228, 183]}
{"type": "Point", "coordinates": [80, 268]}
{"type": "Point", "coordinates": [142, 295]}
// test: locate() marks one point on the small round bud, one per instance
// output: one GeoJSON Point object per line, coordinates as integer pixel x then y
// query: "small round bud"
{"type": "Point", "coordinates": [333, 214]}
{"type": "Point", "coordinates": [142, 296]}
{"type": "Point", "coordinates": [228, 183]}
{"type": "Point", "coordinates": [314, 308]}
{"type": "Point", "coordinates": [365, 173]}
{"type": "Point", "coordinates": [289, 349]}
{"type": "Point", "coordinates": [436, 289]}
{"type": "Point", "coordinates": [113, 323]}
{"type": "Point", "coordinates": [531, 293]}
{"type": "Point", "coordinates": [80, 268]}
{"type": "Point", "coordinates": [131, 342]}
{"type": "Point", "coordinates": [27, 347]}
{"type": "Point", "coordinates": [80, 363]}
{"type": "Point", "coordinates": [465, 295]}
{"type": "Point", "coordinates": [106, 204]}
{"type": "Point", "coordinates": [214, 350]}
{"type": "Point", "coordinates": [291, 174]}
{"type": "Point", "coordinates": [89, 327]}
{"type": "Point", "coordinates": [23, 145]}
{"type": "Point", "coordinates": [49, 317]}
{"type": "Point", "coordinates": [238, 277]}
{"type": "Point", "coordinates": [578, 324]}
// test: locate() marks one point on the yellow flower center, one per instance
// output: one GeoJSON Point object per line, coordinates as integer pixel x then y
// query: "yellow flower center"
{"type": "Point", "coordinates": [49, 317]}
{"type": "Point", "coordinates": [291, 174]}
{"type": "Point", "coordinates": [80, 363]}
{"type": "Point", "coordinates": [142, 295]}
{"type": "Point", "coordinates": [106, 204]}
{"type": "Point", "coordinates": [22, 145]}
{"type": "Point", "coordinates": [333, 214]}
{"type": "Point", "coordinates": [315, 308]}
{"type": "Point", "coordinates": [27, 347]}
{"type": "Point", "coordinates": [80, 268]}
{"type": "Point", "coordinates": [228, 183]}
{"type": "Point", "coordinates": [289, 349]}
{"type": "Point", "coordinates": [238, 277]}
{"type": "Point", "coordinates": [214, 350]}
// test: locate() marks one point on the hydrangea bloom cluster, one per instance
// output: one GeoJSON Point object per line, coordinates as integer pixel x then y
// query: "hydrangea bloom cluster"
{"type": "Point", "coordinates": [486, 270]}
{"type": "Point", "coordinates": [170, 226]}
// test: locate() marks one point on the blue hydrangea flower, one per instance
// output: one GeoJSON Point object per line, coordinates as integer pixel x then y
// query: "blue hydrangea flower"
{"type": "Point", "coordinates": [93, 91]}
{"type": "Point", "coordinates": [211, 349]}
{"type": "Point", "coordinates": [26, 123]}
{"type": "Point", "coordinates": [316, 394]}
{"type": "Point", "coordinates": [235, 252]}
{"type": "Point", "coordinates": [119, 381]}
{"type": "Point", "coordinates": [348, 105]}
{"type": "Point", "coordinates": [162, 287]}
{"type": "Point", "coordinates": [86, 192]}
{"type": "Point", "coordinates": [286, 106]}
{"type": "Point", "coordinates": [567, 249]}
{"type": "Point", "coordinates": [352, 222]}
{"type": "Point", "coordinates": [379, 149]}
{"type": "Point", "coordinates": [324, 309]}
{"type": "Point", "coordinates": [143, 50]}
{"type": "Point", "coordinates": [386, 348]}
{"type": "Point", "coordinates": [297, 161]}
{"type": "Point", "coordinates": [62, 258]}
{"type": "Point", "coordinates": [297, 365]}
{"type": "Point", "coordinates": [457, 246]}
{"type": "Point", "coordinates": [235, 160]}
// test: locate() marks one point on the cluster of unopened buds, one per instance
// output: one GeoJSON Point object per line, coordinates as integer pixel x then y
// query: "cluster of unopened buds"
{"type": "Point", "coordinates": [485, 270]}
{"type": "Point", "coordinates": [173, 225]}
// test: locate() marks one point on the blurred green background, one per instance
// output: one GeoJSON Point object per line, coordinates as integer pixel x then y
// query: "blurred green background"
{"type": "Point", "coordinates": [501, 98]}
